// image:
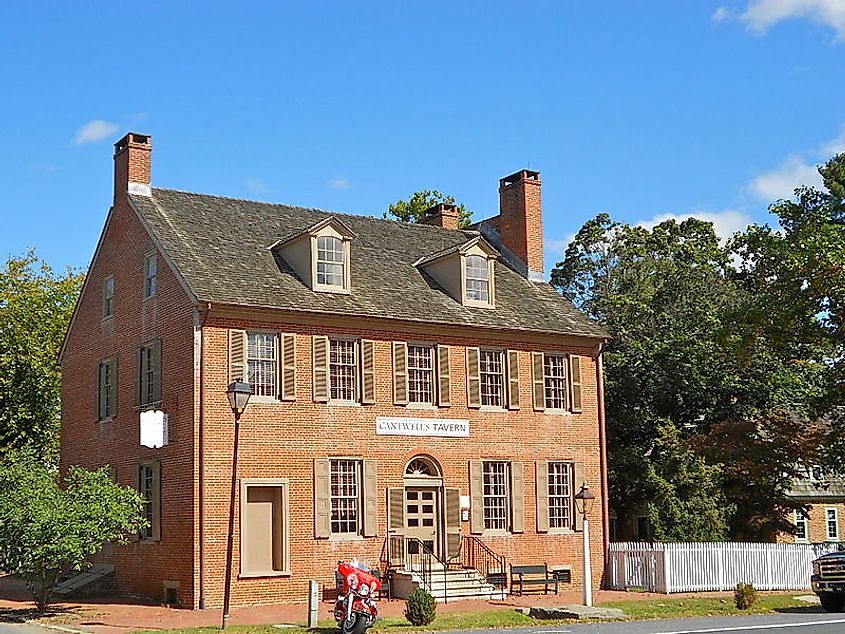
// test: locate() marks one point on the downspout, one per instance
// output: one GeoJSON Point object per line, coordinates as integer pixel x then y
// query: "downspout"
{"type": "Point", "coordinates": [201, 476]}
{"type": "Point", "coordinates": [603, 453]}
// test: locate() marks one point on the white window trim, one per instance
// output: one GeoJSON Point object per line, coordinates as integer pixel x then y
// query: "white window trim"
{"type": "Point", "coordinates": [346, 245]}
{"type": "Point", "coordinates": [358, 373]}
{"type": "Point", "coordinates": [508, 500]}
{"type": "Point", "coordinates": [359, 474]}
{"type": "Point", "coordinates": [435, 376]}
{"type": "Point", "coordinates": [562, 530]}
{"type": "Point", "coordinates": [503, 407]}
{"type": "Point", "coordinates": [284, 485]}
{"type": "Point", "coordinates": [491, 287]}
{"type": "Point", "coordinates": [828, 536]}
{"type": "Point", "coordinates": [263, 398]}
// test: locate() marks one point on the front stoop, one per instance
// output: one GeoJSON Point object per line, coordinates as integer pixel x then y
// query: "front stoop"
{"type": "Point", "coordinates": [456, 585]}
{"type": "Point", "coordinates": [578, 612]}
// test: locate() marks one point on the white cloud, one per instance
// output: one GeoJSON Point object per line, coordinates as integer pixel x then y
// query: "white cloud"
{"type": "Point", "coordinates": [339, 183]}
{"type": "Point", "coordinates": [760, 15]}
{"type": "Point", "coordinates": [835, 146]}
{"type": "Point", "coordinates": [781, 182]}
{"type": "Point", "coordinates": [721, 14]}
{"type": "Point", "coordinates": [257, 186]}
{"type": "Point", "coordinates": [95, 131]}
{"type": "Point", "coordinates": [725, 223]}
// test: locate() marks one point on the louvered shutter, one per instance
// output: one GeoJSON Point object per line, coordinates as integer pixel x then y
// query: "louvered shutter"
{"type": "Point", "coordinates": [513, 379]}
{"type": "Point", "coordinates": [575, 381]}
{"type": "Point", "coordinates": [473, 378]}
{"type": "Point", "coordinates": [453, 523]}
{"type": "Point", "coordinates": [517, 498]}
{"type": "Point", "coordinates": [576, 487]}
{"type": "Point", "coordinates": [237, 356]}
{"type": "Point", "coordinates": [444, 377]}
{"type": "Point", "coordinates": [156, 354]}
{"type": "Point", "coordinates": [400, 373]}
{"type": "Point", "coordinates": [370, 498]}
{"type": "Point", "coordinates": [322, 499]}
{"type": "Point", "coordinates": [139, 375]}
{"type": "Point", "coordinates": [396, 524]}
{"type": "Point", "coordinates": [538, 381]}
{"type": "Point", "coordinates": [98, 399]}
{"type": "Point", "coordinates": [321, 369]}
{"type": "Point", "coordinates": [476, 493]}
{"type": "Point", "coordinates": [114, 385]}
{"type": "Point", "coordinates": [542, 486]}
{"type": "Point", "coordinates": [368, 371]}
{"type": "Point", "coordinates": [287, 366]}
{"type": "Point", "coordinates": [156, 523]}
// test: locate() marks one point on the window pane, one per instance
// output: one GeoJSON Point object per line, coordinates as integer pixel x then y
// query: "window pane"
{"type": "Point", "coordinates": [344, 496]}
{"type": "Point", "coordinates": [330, 261]}
{"type": "Point", "coordinates": [261, 363]}
{"type": "Point", "coordinates": [477, 279]}
{"type": "Point", "coordinates": [492, 378]}
{"type": "Point", "coordinates": [495, 495]}
{"type": "Point", "coordinates": [420, 374]}
{"type": "Point", "coordinates": [145, 479]}
{"type": "Point", "coordinates": [342, 367]}
{"type": "Point", "coordinates": [554, 376]}
{"type": "Point", "coordinates": [559, 495]}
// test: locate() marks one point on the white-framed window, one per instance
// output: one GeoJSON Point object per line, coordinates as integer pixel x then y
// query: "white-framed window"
{"type": "Point", "coordinates": [345, 495]}
{"type": "Point", "coordinates": [477, 276]}
{"type": "Point", "coordinates": [555, 380]}
{"type": "Point", "coordinates": [330, 262]}
{"type": "Point", "coordinates": [343, 369]}
{"type": "Point", "coordinates": [147, 490]}
{"type": "Point", "coordinates": [150, 275]}
{"type": "Point", "coordinates": [420, 374]}
{"type": "Point", "coordinates": [496, 494]}
{"type": "Point", "coordinates": [108, 297]}
{"type": "Point", "coordinates": [106, 387]}
{"type": "Point", "coordinates": [149, 373]}
{"type": "Point", "coordinates": [262, 363]}
{"type": "Point", "coordinates": [491, 371]}
{"type": "Point", "coordinates": [815, 473]}
{"type": "Point", "coordinates": [832, 523]}
{"type": "Point", "coordinates": [560, 495]}
{"type": "Point", "coordinates": [802, 527]}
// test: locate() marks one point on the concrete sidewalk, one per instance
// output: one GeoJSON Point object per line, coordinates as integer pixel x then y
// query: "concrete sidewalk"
{"type": "Point", "coordinates": [111, 615]}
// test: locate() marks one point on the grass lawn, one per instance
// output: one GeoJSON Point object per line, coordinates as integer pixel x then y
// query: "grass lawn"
{"type": "Point", "coordinates": [663, 608]}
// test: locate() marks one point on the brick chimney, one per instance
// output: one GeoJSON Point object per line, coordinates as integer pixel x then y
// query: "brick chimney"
{"type": "Point", "coordinates": [132, 155]}
{"type": "Point", "coordinates": [441, 215]}
{"type": "Point", "coordinates": [521, 220]}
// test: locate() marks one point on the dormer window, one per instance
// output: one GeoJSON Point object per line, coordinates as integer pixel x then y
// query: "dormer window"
{"type": "Point", "coordinates": [330, 261]}
{"type": "Point", "coordinates": [477, 280]}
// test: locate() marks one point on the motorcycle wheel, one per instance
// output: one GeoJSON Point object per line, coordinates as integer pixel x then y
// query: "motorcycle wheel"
{"type": "Point", "coordinates": [355, 624]}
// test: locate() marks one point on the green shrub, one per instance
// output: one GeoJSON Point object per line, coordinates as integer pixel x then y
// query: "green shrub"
{"type": "Point", "coordinates": [420, 607]}
{"type": "Point", "coordinates": [744, 596]}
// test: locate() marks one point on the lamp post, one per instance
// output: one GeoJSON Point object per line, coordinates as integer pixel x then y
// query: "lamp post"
{"type": "Point", "coordinates": [238, 393]}
{"type": "Point", "coordinates": [584, 502]}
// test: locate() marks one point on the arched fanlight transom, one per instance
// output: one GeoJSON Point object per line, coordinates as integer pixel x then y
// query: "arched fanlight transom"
{"type": "Point", "coordinates": [422, 467]}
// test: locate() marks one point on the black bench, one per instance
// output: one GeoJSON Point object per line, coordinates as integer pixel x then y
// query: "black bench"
{"type": "Point", "coordinates": [533, 575]}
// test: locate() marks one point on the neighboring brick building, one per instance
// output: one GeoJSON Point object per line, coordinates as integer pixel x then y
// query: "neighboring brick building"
{"type": "Point", "coordinates": [824, 497]}
{"type": "Point", "coordinates": [412, 380]}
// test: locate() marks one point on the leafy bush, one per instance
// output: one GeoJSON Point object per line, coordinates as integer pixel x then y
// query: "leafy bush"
{"type": "Point", "coordinates": [744, 596]}
{"type": "Point", "coordinates": [420, 607]}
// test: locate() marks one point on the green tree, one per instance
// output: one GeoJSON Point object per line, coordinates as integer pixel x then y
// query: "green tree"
{"type": "Point", "coordinates": [411, 209]}
{"type": "Point", "coordinates": [47, 529]}
{"type": "Point", "coordinates": [36, 305]}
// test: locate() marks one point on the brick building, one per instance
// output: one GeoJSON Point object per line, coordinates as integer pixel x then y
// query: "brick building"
{"type": "Point", "coordinates": [824, 498]}
{"type": "Point", "coordinates": [413, 384]}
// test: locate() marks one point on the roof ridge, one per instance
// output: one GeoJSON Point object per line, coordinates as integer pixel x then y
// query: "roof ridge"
{"type": "Point", "coordinates": [315, 209]}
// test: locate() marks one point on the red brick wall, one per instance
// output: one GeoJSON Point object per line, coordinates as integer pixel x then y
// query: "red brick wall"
{"type": "Point", "coordinates": [817, 524]}
{"type": "Point", "coordinates": [280, 440]}
{"type": "Point", "coordinates": [521, 218]}
{"type": "Point", "coordinates": [141, 566]}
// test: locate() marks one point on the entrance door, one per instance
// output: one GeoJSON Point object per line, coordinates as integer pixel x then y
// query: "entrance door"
{"type": "Point", "coordinates": [421, 519]}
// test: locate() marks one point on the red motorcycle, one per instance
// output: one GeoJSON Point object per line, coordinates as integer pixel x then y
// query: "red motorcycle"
{"type": "Point", "coordinates": [355, 609]}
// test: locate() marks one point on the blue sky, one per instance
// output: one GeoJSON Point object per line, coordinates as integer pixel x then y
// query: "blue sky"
{"type": "Point", "coordinates": [640, 109]}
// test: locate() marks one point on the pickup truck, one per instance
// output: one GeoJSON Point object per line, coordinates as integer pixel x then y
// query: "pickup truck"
{"type": "Point", "coordinates": [828, 581]}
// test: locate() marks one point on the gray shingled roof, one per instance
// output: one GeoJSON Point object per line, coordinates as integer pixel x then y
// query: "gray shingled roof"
{"type": "Point", "coordinates": [219, 245]}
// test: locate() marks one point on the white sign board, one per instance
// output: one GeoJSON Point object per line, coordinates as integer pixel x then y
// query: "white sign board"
{"type": "Point", "coordinates": [154, 432]}
{"type": "Point", "coordinates": [442, 427]}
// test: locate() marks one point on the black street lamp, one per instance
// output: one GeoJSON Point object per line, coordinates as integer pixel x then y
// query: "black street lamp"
{"type": "Point", "coordinates": [238, 393]}
{"type": "Point", "coordinates": [584, 500]}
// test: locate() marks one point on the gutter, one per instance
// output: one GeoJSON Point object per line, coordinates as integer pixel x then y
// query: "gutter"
{"type": "Point", "coordinates": [201, 475]}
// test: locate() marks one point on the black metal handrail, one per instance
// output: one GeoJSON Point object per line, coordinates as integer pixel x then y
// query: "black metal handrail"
{"type": "Point", "coordinates": [479, 556]}
{"type": "Point", "coordinates": [412, 554]}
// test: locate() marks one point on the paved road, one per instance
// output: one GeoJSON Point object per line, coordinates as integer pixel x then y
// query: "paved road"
{"type": "Point", "coordinates": [14, 628]}
{"type": "Point", "coordinates": [800, 623]}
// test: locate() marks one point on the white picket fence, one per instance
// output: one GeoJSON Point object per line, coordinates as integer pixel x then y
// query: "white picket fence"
{"type": "Point", "coordinates": [703, 566]}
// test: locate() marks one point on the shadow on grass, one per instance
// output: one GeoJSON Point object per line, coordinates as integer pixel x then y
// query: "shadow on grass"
{"type": "Point", "coordinates": [804, 609]}
{"type": "Point", "coordinates": [17, 615]}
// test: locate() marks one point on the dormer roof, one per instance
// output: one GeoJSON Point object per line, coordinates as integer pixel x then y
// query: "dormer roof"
{"type": "Point", "coordinates": [461, 248]}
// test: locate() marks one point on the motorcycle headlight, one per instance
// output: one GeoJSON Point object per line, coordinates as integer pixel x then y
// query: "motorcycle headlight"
{"type": "Point", "coordinates": [352, 580]}
{"type": "Point", "coordinates": [364, 589]}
